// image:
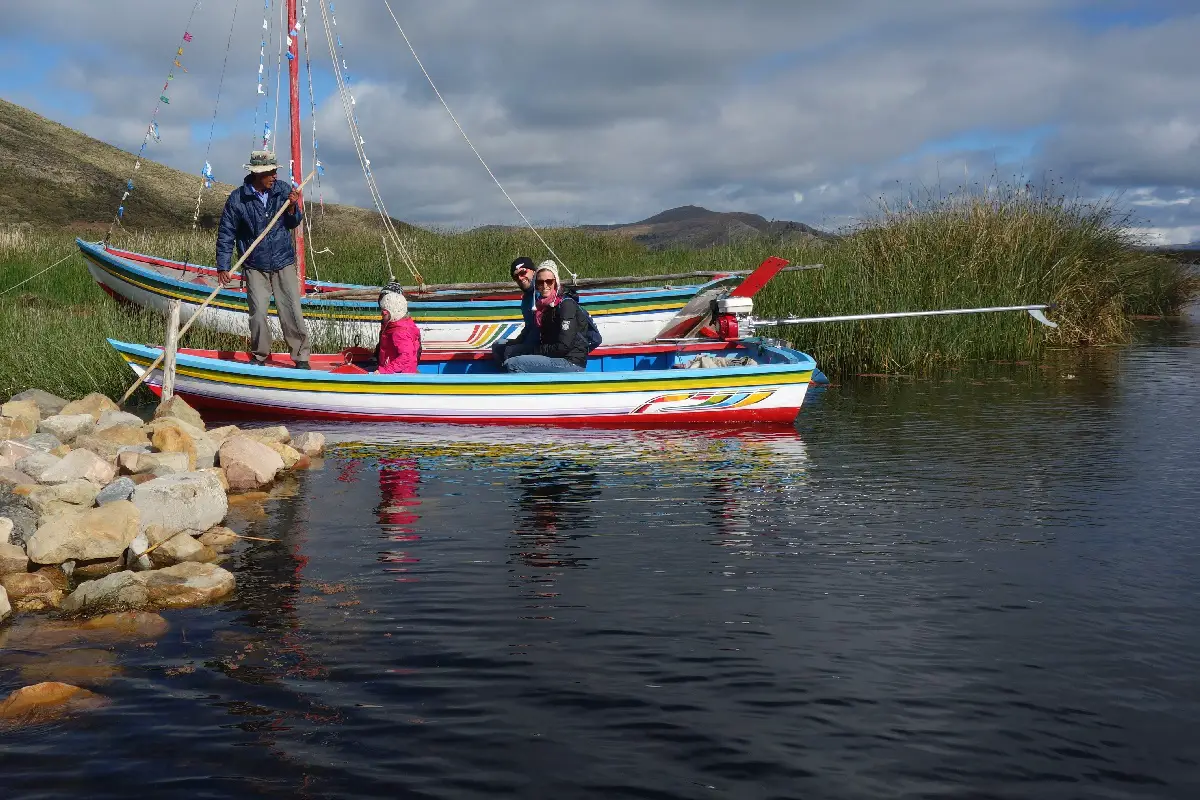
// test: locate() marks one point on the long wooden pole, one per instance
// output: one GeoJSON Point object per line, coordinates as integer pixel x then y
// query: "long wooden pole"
{"type": "Point", "coordinates": [171, 345]}
{"type": "Point", "coordinates": [472, 288]}
{"type": "Point", "coordinates": [196, 314]}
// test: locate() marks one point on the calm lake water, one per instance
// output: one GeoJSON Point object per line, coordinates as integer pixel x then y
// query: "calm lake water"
{"type": "Point", "coordinates": [985, 584]}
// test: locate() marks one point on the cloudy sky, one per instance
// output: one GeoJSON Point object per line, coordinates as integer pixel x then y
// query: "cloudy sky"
{"type": "Point", "coordinates": [597, 112]}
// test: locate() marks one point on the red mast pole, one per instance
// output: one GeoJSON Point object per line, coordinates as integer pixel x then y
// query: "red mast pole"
{"type": "Point", "coordinates": [297, 152]}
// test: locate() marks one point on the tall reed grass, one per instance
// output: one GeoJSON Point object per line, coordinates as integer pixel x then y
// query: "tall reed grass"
{"type": "Point", "coordinates": [1005, 246]}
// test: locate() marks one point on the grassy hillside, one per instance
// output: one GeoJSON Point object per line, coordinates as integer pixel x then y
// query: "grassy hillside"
{"type": "Point", "coordinates": [54, 177]}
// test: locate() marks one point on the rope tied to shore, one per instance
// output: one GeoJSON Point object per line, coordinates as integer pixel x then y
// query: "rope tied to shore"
{"type": "Point", "coordinates": [36, 274]}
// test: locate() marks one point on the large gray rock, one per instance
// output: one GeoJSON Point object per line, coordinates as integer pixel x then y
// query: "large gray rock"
{"type": "Point", "coordinates": [189, 501]}
{"type": "Point", "coordinates": [310, 443]}
{"type": "Point", "coordinates": [111, 419]}
{"type": "Point", "coordinates": [248, 463]}
{"type": "Point", "coordinates": [275, 433]}
{"type": "Point", "coordinates": [98, 533]}
{"type": "Point", "coordinates": [16, 508]}
{"type": "Point", "coordinates": [46, 442]}
{"type": "Point", "coordinates": [120, 489]}
{"type": "Point", "coordinates": [37, 464]}
{"type": "Point", "coordinates": [12, 557]}
{"type": "Point", "coordinates": [180, 548]}
{"type": "Point", "coordinates": [67, 427]}
{"type": "Point", "coordinates": [218, 435]}
{"type": "Point", "coordinates": [14, 477]}
{"type": "Point", "coordinates": [80, 465]}
{"type": "Point", "coordinates": [48, 404]}
{"type": "Point", "coordinates": [78, 493]}
{"type": "Point", "coordinates": [183, 585]}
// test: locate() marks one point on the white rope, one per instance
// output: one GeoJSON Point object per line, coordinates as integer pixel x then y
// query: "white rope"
{"type": "Point", "coordinates": [352, 122]}
{"type": "Point", "coordinates": [31, 277]}
{"type": "Point", "coordinates": [216, 107]}
{"type": "Point", "coordinates": [312, 113]}
{"type": "Point", "coordinates": [278, 82]}
{"type": "Point", "coordinates": [467, 139]}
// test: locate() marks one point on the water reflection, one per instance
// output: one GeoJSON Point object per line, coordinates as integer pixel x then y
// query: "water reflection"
{"type": "Point", "coordinates": [399, 483]}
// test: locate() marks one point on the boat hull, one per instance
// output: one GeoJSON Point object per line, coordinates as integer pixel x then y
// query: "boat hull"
{"type": "Point", "coordinates": [623, 316]}
{"type": "Point", "coordinates": [612, 393]}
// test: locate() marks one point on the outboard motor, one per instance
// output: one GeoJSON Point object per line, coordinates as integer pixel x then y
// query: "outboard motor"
{"type": "Point", "coordinates": [733, 317]}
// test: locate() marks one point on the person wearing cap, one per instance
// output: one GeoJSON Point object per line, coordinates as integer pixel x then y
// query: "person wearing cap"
{"type": "Point", "coordinates": [526, 341]}
{"type": "Point", "coordinates": [271, 268]}
{"type": "Point", "coordinates": [562, 328]}
{"type": "Point", "coordinates": [399, 339]}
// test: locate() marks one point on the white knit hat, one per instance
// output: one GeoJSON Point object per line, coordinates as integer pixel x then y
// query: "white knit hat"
{"type": "Point", "coordinates": [550, 265]}
{"type": "Point", "coordinates": [394, 303]}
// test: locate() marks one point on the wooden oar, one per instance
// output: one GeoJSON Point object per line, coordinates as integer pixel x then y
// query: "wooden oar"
{"type": "Point", "coordinates": [196, 314]}
{"type": "Point", "coordinates": [370, 293]}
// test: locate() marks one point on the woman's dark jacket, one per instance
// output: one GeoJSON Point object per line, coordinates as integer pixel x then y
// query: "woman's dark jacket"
{"type": "Point", "coordinates": [563, 333]}
{"type": "Point", "coordinates": [243, 220]}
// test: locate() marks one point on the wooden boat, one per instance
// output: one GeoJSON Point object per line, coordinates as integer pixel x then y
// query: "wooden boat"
{"type": "Point", "coordinates": [638, 386]}
{"type": "Point", "coordinates": [624, 315]}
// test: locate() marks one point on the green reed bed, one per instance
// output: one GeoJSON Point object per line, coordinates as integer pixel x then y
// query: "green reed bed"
{"type": "Point", "coordinates": [1006, 247]}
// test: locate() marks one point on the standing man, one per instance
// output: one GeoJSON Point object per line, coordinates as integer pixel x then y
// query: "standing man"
{"type": "Point", "coordinates": [271, 268]}
{"type": "Point", "coordinates": [526, 341]}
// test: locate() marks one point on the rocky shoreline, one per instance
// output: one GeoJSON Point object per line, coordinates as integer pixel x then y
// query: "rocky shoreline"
{"type": "Point", "coordinates": [105, 517]}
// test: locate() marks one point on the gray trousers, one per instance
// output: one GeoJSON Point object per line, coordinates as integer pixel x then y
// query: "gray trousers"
{"type": "Point", "coordinates": [285, 286]}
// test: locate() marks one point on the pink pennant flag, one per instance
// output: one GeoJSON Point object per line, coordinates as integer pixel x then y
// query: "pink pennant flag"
{"type": "Point", "coordinates": [187, 37]}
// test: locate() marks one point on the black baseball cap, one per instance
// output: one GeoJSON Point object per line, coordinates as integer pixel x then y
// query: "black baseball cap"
{"type": "Point", "coordinates": [518, 263]}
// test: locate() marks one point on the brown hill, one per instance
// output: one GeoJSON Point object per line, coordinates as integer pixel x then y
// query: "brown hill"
{"type": "Point", "coordinates": [54, 176]}
{"type": "Point", "coordinates": [693, 227]}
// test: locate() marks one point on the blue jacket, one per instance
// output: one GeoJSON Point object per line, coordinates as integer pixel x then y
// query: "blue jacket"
{"type": "Point", "coordinates": [529, 334]}
{"type": "Point", "coordinates": [243, 220]}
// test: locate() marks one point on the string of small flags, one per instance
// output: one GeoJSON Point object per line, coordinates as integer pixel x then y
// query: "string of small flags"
{"type": "Point", "coordinates": [152, 130]}
{"type": "Point", "coordinates": [264, 77]}
{"type": "Point", "coordinates": [312, 100]}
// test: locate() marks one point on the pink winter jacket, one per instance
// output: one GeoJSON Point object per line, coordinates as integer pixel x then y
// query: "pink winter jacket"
{"type": "Point", "coordinates": [399, 347]}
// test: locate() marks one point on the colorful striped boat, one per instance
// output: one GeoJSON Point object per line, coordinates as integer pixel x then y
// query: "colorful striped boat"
{"type": "Point", "coordinates": [624, 316]}
{"type": "Point", "coordinates": [637, 386]}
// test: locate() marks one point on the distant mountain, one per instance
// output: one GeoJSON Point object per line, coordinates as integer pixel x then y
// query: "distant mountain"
{"type": "Point", "coordinates": [52, 175]}
{"type": "Point", "coordinates": [693, 227]}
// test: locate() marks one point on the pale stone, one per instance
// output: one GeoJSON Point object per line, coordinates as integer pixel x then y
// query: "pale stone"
{"type": "Point", "coordinates": [135, 555]}
{"type": "Point", "coordinates": [311, 443]}
{"type": "Point", "coordinates": [12, 428]}
{"type": "Point", "coordinates": [171, 439]}
{"type": "Point", "coordinates": [31, 591]}
{"type": "Point", "coordinates": [275, 433]}
{"type": "Point", "coordinates": [80, 493]}
{"type": "Point", "coordinates": [189, 501]}
{"type": "Point", "coordinates": [98, 533]}
{"type": "Point", "coordinates": [180, 586]}
{"type": "Point", "coordinates": [12, 556]}
{"type": "Point", "coordinates": [204, 446]}
{"type": "Point", "coordinates": [219, 474]}
{"type": "Point", "coordinates": [111, 419]}
{"type": "Point", "coordinates": [109, 442]}
{"type": "Point", "coordinates": [80, 465]}
{"type": "Point", "coordinates": [180, 548]}
{"type": "Point", "coordinates": [5, 606]}
{"type": "Point", "coordinates": [177, 408]}
{"type": "Point", "coordinates": [37, 464]}
{"type": "Point", "coordinates": [120, 489]}
{"type": "Point", "coordinates": [48, 404]}
{"type": "Point", "coordinates": [290, 455]}
{"type": "Point", "coordinates": [219, 539]}
{"type": "Point", "coordinates": [11, 452]}
{"type": "Point", "coordinates": [134, 463]}
{"type": "Point", "coordinates": [15, 477]}
{"type": "Point", "coordinates": [94, 404]}
{"type": "Point", "coordinates": [67, 427]}
{"type": "Point", "coordinates": [26, 410]}
{"type": "Point", "coordinates": [218, 435]}
{"type": "Point", "coordinates": [248, 463]}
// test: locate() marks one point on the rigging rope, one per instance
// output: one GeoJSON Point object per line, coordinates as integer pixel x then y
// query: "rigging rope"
{"type": "Point", "coordinates": [445, 105]}
{"type": "Point", "coordinates": [31, 277]}
{"type": "Point", "coordinates": [317, 167]}
{"type": "Point", "coordinates": [206, 173]}
{"type": "Point", "coordinates": [279, 84]}
{"type": "Point", "coordinates": [152, 128]}
{"type": "Point", "coordinates": [348, 104]}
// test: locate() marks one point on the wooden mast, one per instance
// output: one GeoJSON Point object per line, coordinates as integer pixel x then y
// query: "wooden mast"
{"type": "Point", "coordinates": [297, 151]}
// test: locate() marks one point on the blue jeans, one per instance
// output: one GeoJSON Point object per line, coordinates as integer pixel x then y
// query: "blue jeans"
{"type": "Point", "coordinates": [536, 363]}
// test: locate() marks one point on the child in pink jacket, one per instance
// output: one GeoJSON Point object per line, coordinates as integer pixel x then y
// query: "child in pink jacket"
{"type": "Point", "coordinates": [399, 339]}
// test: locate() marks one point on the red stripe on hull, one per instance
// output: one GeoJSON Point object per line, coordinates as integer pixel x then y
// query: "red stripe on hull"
{"type": "Point", "coordinates": [767, 416]}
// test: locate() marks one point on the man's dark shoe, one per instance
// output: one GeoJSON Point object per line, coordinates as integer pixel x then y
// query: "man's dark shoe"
{"type": "Point", "coordinates": [302, 365]}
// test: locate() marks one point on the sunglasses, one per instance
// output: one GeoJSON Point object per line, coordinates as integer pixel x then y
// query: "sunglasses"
{"type": "Point", "coordinates": [547, 282]}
